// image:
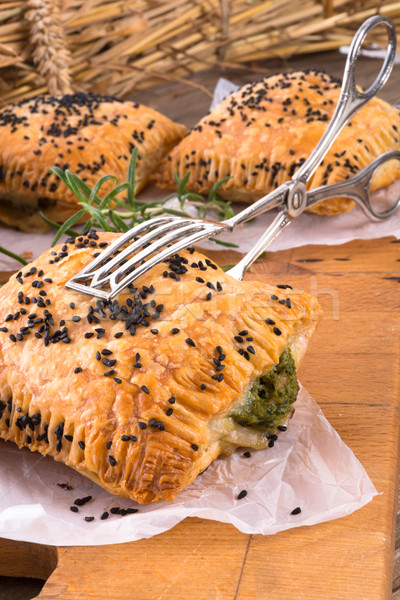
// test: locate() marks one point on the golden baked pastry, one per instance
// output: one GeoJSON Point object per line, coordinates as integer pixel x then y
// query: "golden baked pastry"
{"type": "Point", "coordinates": [143, 393]}
{"type": "Point", "coordinates": [260, 134]}
{"type": "Point", "coordinates": [89, 134]}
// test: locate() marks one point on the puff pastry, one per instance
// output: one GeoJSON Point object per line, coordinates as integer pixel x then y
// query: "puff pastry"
{"type": "Point", "coordinates": [89, 134]}
{"type": "Point", "coordinates": [262, 133]}
{"type": "Point", "coordinates": [142, 394]}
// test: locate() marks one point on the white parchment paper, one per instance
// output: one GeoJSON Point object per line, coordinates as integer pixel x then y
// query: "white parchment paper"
{"type": "Point", "coordinates": [309, 467]}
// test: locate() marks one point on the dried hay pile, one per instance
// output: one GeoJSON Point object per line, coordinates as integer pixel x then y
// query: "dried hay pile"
{"type": "Point", "coordinates": [118, 46]}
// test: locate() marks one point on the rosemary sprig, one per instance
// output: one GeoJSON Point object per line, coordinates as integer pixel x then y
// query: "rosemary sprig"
{"type": "Point", "coordinates": [119, 210]}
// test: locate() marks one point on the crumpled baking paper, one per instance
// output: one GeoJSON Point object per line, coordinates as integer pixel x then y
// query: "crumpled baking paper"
{"type": "Point", "coordinates": [309, 467]}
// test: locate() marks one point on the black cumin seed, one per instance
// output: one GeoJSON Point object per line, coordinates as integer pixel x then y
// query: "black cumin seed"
{"type": "Point", "coordinates": [209, 296]}
{"type": "Point", "coordinates": [203, 386]}
{"type": "Point", "coordinates": [247, 454]}
{"type": "Point", "coordinates": [81, 445]}
{"type": "Point", "coordinates": [125, 438]}
{"type": "Point", "coordinates": [109, 373]}
{"type": "Point", "coordinates": [133, 438]}
{"type": "Point", "coordinates": [82, 501]}
{"type": "Point", "coordinates": [169, 412]}
{"type": "Point", "coordinates": [69, 438]}
{"type": "Point", "coordinates": [296, 511]}
{"type": "Point", "coordinates": [104, 516]}
{"type": "Point", "coordinates": [172, 400]}
{"type": "Point", "coordinates": [238, 338]}
{"type": "Point", "coordinates": [112, 461]}
{"type": "Point", "coordinates": [200, 279]}
{"type": "Point", "coordinates": [145, 389]}
{"type": "Point", "coordinates": [117, 380]}
{"type": "Point", "coordinates": [194, 447]}
{"type": "Point", "coordinates": [74, 509]}
{"type": "Point", "coordinates": [242, 494]}
{"type": "Point", "coordinates": [270, 321]}
{"type": "Point", "coordinates": [106, 352]}
{"type": "Point", "coordinates": [76, 318]}
{"type": "Point", "coordinates": [119, 334]}
{"type": "Point", "coordinates": [175, 330]}
{"type": "Point", "coordinates": [89, 519]}
{"type": "Point", "coordinates": [273, 297]}
{"type": "Point", "coordinates": [78, 370]}
{"type": "Point", "coordinates": [277, 331]}
{"type": "Point", "coordinates": [282, 427]}
{"type": "Point", "coordinates": [107, 362]}
{"type": "Point", "coordinates": [108, 446]}
{"type": "Point", "coordinates": [142, 425]}
{"type": "Point", "coordinates": [89, 335]}
{"type": "Point", "coordinates": [190, 342]}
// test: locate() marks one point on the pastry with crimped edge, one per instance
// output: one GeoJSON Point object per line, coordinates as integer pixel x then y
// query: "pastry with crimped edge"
{"type": "Point", "coordinates": [142, 393]}
{"type": "Point", "coordinates": [89, 134]}
{"type": "Point", "coordinates": [262, 133]}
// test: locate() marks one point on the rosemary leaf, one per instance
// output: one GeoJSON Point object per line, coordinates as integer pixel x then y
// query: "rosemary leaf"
{"type": "Point", "coordinates": [222, 243]}
{"type": "Point", "coordinates": [66, 225]}
{"type": "Point", "coordinates": [57, 225]}
{"type": "Point", "coordinates": [13, 255]}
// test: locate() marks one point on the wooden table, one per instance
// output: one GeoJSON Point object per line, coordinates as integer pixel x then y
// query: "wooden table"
{"type": "Point", "coordinates": [351, 369]}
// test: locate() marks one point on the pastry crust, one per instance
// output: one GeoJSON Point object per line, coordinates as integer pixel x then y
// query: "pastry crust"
{"type": "Point", "coordinates": [73, 387]}
{"type": "Point", "coordinates": [260, 135]}
{"type": "Point", "coordinates": [89, 134]}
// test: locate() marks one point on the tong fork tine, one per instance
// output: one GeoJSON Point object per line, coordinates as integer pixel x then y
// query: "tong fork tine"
{"type": "Point", "coordinates": [292, 195]}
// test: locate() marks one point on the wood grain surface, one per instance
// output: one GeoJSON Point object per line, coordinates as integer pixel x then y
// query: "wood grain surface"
{"type": "Point", "coordinates": [352, 370]}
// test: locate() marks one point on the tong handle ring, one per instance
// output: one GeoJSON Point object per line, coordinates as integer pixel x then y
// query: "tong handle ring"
{"type": "Point", "coordinates": [349, 85]}
{"type": "Point", "coordinates": [351, 99]}
{"type": "Point", "coordinates": [362, 194]}
{"type": "Point", "coordinates": [358, 189]}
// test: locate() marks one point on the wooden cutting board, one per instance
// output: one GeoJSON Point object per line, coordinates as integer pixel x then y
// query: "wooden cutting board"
{"type": "Point", "coordinates": [352, 370]}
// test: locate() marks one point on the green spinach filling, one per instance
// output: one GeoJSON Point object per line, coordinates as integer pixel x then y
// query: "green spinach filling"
{"type": "Point", "coordinates": [269, 401]}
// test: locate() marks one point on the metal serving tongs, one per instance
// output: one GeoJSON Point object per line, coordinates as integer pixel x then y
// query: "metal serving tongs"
{"type": "Point", "coordinates": [160, 238]}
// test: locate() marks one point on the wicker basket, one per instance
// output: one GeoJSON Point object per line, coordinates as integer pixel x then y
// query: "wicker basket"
{"type": "Point", "coordinates": [118, 46]}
